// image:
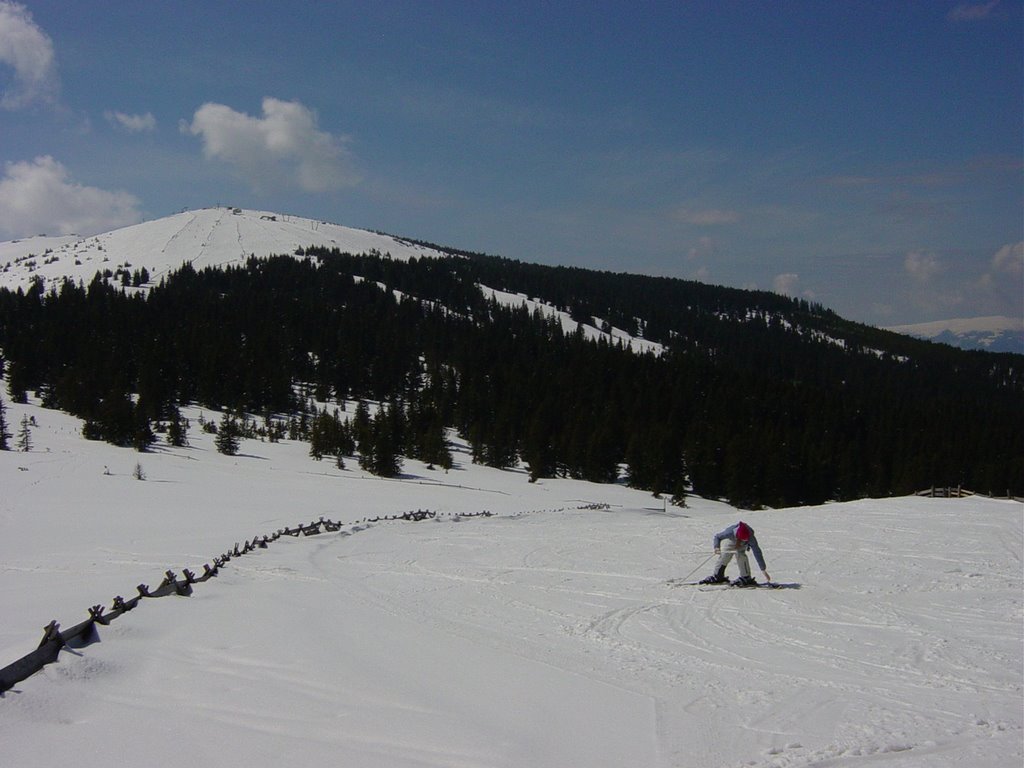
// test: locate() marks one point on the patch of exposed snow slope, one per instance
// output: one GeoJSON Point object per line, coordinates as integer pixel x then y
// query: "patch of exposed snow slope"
{"type": "Point", "coordinates": [615, 336]}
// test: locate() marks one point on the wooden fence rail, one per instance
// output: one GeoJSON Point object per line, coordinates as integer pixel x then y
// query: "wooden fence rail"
{"type": "Point", "coordinates": [80, 635]}
{"type": "Point", "coordinates": [957, 492]}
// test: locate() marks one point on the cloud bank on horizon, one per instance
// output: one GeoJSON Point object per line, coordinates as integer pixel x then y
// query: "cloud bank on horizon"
{"type": "Point", "coordinates": [869, 160]}
{"type": "Point", "coordinates": [40, 198]}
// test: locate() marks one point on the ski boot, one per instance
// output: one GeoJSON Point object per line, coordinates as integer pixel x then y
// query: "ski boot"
{"type": "Point", "coordinates": [718, 577]}
{"type": "Point", "coordinates": [745, 581]}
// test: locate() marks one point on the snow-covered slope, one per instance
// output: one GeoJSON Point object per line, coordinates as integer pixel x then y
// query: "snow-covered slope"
{"type": "Point", "coordinates": [543, 636]}
{"type": "Point", "coordinates": [205, 238]}
{"type": "Point", "coordinates": [993, 334]}
{"type": "Point", "coordinates": [593, 332]}
{"type": "Point", "coordinates": [218, 237]}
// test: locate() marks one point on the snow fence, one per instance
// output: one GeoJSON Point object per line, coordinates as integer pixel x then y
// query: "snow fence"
{"type": "Point", "coordinates": [80, 635]}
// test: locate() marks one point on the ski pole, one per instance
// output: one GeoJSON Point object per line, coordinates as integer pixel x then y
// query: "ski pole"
{"type": "Point", "coordinates": [702, 562]}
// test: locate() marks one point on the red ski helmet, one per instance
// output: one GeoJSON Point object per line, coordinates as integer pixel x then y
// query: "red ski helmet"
{"type": "Point", "coordinates": [742, 531]}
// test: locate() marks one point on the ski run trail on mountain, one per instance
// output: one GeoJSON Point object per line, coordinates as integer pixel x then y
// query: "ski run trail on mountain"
{"type": "Point", "coordinates": [543, 636]}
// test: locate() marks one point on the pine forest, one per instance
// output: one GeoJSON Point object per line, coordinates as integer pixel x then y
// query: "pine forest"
{"type": "Point", "coordinates": [756, 398]}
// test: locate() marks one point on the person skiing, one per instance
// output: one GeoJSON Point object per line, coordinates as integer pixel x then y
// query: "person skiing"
{"type": "Point", "coordinates": [735, 540]}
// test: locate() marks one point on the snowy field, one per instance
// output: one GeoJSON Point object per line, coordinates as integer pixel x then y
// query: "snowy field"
{"type": "Point", "coordinates": [545, 635]}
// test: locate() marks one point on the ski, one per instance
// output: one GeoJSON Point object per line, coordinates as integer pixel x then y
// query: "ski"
{"type": "Point", "coordinates": [715, 587]}
{"type": "Point", "coordinates": [759, 585]}
{"type": "Point", "coordinates": [703, 587]}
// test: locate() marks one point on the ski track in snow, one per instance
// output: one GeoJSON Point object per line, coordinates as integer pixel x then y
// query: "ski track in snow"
{"type": "Point", "coordinates": [541, 639]}
{"type": "Point", "coordinates": [828, 661]}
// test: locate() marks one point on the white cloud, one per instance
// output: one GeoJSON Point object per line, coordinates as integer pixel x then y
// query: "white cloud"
{"type": "Point", "coordinates": [1009, 261]}
{"type": "Point", "coordinates": [972, 11]}
{"type": "Point", "coordinates": [132, 123]}
{"type": "Point", "coordinates": [704, 248]}
{"type": "Point", "coordinates": [38, 197]}
{"type": "Point", "coordinates": [787, 284]}
{"type": "Point", "coordinates": [922, 266]}
{"type": "Point", "coordinates": [284, 146]}
{"type": "Point", "coordinates": [709, 217]}
{"type": "Point", "coordinates": [29, 52]}
{"type": "Point", "coordinates": [1001, 288]}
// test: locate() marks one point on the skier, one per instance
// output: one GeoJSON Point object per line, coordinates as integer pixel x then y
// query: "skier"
{"type": "Point", "coordinates": [735, 540]}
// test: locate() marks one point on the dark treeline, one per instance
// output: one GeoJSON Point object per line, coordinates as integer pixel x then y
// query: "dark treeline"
{"type": "Point", "coordinates": [758, 399]}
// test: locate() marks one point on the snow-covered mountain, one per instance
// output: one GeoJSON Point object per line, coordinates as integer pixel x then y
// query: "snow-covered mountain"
{"type": "Point", "coordinates": [991, 334]}
{"type": "Point", "coordinates": [225, 236]}
{"type": "Point", "coordinates": [211, 237]}
{"type": "Point", "coordinates": [221, 237]}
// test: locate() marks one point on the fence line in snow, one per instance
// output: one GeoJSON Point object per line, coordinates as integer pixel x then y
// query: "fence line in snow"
{"type": "Point", "coordinates": [950, 492]}
{"type": "Point", "coordinates": [83, 634]}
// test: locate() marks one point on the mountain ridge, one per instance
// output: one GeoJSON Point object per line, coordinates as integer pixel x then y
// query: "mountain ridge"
{"type": "Point", "coordinates": [667, 384]}
{"type": "Point", "coordinates": [226, 236]}
{"type": "Point", "coordinates": [995, 333]}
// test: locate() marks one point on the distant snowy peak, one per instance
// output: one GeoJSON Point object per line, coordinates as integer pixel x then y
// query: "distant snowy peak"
{"type": "Point", "coordinates": [223, 237]}
{"type": "Point", "coordinates": [991, 334]}
{"type": "Point", "coordinates": [211, 237]}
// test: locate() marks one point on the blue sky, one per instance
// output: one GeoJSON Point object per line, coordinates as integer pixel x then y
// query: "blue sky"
{"type": "Point", "coordinates": [864, 155]}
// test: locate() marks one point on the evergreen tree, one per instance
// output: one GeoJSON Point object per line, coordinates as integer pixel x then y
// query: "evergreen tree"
{"type": "Point", "coordinates": [434, 446]}
{"type": "Point", "coordinates": [274, 429]}
{"type": "Point", "coordinates": [362, 427]}
{"type": "Point", "coordinates": [4, 434]}
{"type": "Point", "coordinates": [317, 440]}
{"type": "Point", "coordinates": [386, 459]}
{"type": "Point", "coordinates": [366, 457]}
{"type": "Point", "coordinates": [538, 449]}
{"type": "Point", "coordinates": [116, 419]}
{"type": "Point", "coordinates": [143, 436]}
{"type": "Point", "coordinates": [227, 440]}
{"type": "Point", "coordinates": [177, 430]}
{"type": "Point", "coordinates": [379, 450]}
{"type": "Point", "coordinates": [329, 435]}
{"type": "Point", "coordinates": [17, 381]}
{"type": "Point", "coordinates": [25, 435]}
